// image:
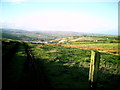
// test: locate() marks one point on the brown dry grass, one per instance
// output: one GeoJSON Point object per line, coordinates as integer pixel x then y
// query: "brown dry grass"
{"type": "Point", "coordinates": [39, 46]}
{"type": "Point", "coordinates": [53, 51]}
{"type": "Point", "coordinates": [112, 51]}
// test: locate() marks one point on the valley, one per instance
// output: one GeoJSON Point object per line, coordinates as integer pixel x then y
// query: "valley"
{"type": "Point", "coordinates": [56, 63]}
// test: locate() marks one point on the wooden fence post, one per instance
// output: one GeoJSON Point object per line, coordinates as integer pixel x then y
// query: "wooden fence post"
{"type": "Point", "coordinates": [94, 66]}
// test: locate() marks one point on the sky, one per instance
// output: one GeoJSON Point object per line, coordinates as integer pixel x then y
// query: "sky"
{"type": "Point", "coordinates": [91, 16]}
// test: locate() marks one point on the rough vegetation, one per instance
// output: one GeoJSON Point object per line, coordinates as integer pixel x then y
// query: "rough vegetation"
{"type": "Point", "coordinates": [64, 64]}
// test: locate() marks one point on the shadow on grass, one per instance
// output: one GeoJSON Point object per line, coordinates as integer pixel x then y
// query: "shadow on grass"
{"type": "Point", "coordinates": [108, 80]}
{"type": "Point", "coordinates": [62, 76]}
{"type": "Point", "coordinates": [21, 73]}
{"type": "Point", "coordinates": [74, 77]}
{"type": "Point", "coordinates": [14, 74]}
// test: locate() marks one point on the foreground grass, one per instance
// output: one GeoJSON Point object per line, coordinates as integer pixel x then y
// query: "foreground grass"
{"type": "Point", "coordinates": [68, 67]}
{"type": "Point", "coordinates": [14, 68]}
{"type": "Point", "coordinates": [64, 67]}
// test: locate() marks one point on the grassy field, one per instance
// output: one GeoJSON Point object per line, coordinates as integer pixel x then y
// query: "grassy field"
{"type": "Point", "coordinates": [13, 59]}
{"type": "Point", "coordinates": [97, 45]}
{"type": "Point", "coordinates": [101, 43]}
{"type": "Point", "coordinates": [64, 65]}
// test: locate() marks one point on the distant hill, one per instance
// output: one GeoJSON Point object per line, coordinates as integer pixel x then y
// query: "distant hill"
{"type": "Point", "coordinates": [18, 34]}
{"type": "Point", "coordinates": [15, 34]}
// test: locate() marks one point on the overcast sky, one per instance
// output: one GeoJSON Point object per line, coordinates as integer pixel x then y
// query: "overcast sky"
{"type": "Point", "coordinates": [95, 16]}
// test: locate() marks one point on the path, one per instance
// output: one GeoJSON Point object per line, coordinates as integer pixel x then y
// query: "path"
{"type": "Point", "coordinates": [22, 71]}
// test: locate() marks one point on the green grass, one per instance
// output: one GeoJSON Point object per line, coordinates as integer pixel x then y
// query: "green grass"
{"type": "Point", "coordinates": [17, 61]}
{"type": "Point", "coordinates": [69, 67]}
{"type": "Point", "coordinates": [98, 45]}
{"type": "Point", "coordinates": [14, 69]}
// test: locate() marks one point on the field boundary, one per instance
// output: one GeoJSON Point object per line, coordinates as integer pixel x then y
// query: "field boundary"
{"type": "Point", "coordinates": [111, 51]}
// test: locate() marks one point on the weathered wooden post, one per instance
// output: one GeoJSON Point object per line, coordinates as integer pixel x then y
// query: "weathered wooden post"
{"type": "Point", "coordinates": [94, 66]}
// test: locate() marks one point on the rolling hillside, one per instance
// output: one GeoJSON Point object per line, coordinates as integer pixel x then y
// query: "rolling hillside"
{"type": "Point", "coordinates": [101, 43]}
{"type": "Point", "coordinates": [18, 34]}
{"type": "Point", "coordinates": [87, 39]}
